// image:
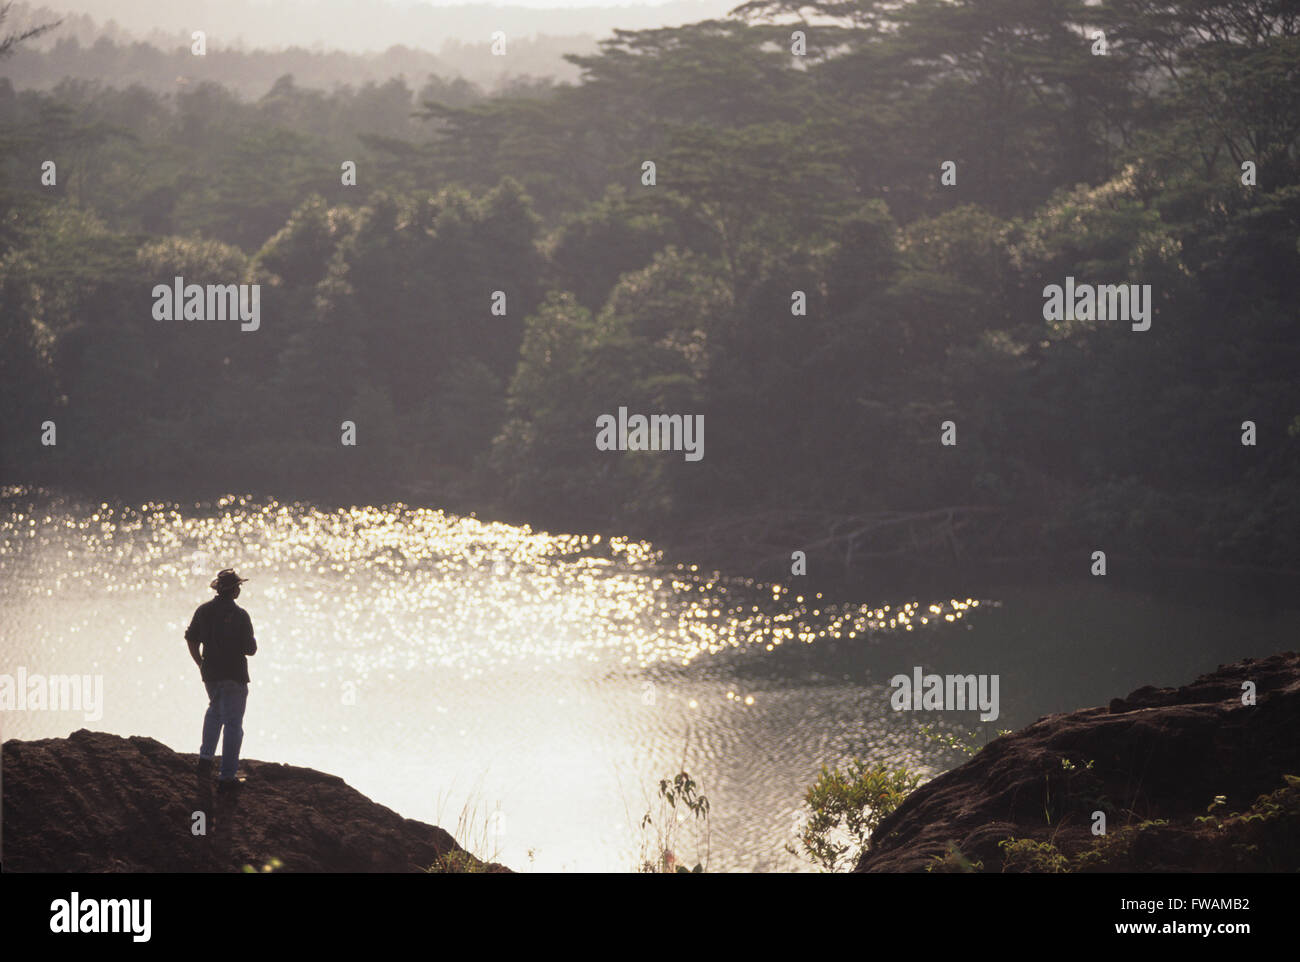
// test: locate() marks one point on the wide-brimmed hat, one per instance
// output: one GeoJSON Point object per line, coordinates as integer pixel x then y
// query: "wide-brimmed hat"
{"type": "Point", "coordinates": [226, 579]}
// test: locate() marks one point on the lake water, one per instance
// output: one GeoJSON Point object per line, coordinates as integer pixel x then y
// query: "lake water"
{"type": "Point", "coordinates": [537, 686]}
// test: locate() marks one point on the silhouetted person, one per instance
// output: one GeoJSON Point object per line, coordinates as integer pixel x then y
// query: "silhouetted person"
{"type": "Point", "coordinates": [225, 633]}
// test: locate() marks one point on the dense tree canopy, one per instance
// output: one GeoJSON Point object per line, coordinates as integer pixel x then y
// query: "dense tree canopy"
{"type": "Point", "coordinates": [778, 176]}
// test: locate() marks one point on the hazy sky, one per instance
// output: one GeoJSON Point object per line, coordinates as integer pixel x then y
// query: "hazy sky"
{"type": "Point", "coordinates": [360, 25]}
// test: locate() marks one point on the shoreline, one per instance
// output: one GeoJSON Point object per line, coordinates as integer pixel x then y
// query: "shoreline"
{"type": "Point", "coordinates": [680, 544]}
{"type": "Point", "coordinates": [1149, 766]}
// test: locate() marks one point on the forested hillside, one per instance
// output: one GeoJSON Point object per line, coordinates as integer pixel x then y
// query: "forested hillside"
{"type": "Point", "coordinates": [815, 164]}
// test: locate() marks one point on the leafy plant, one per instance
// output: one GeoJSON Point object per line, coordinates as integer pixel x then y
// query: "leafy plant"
{"type": "Point", "coordinates": [270, 865]}
{"type": "Point", "coordinates": [1113, 847]}
{"type": "Point", "coordinates": [1079, 788]}
{"type": "Point", "coordinates": [679, 800]}
{"type": "Point", "coordinates": [1212, 810]}
{"type": "Point", "coordinates": [1026, 855]}
{"type": "Point", "coordinates": [457, 862]}
{"type": "Point", "coordinates": [954, 860]}
{"type": "Point", "coordinates": [966, 744]}
{"type": "Point", "coordinates": [479, 833]}
{"type": "Point", "coordinates": [845, 806]}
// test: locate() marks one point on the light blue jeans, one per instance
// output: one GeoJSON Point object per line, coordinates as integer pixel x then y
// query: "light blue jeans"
{"type": "Point", "coordinates": [226, 702]}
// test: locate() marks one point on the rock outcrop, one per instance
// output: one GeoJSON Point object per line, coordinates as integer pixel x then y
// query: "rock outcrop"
{"type": "Point", "coordinates": [1153, 763]}
{"type": "Point", "coordinates": [94, 802]}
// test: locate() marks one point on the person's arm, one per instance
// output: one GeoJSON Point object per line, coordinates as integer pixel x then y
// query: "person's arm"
{"type": "Point", "coordinates": [192, 639]}
{"type": "Point", "coordinates": [250, 643]}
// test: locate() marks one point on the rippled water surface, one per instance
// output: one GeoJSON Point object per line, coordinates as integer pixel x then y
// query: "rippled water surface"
{"type": "Point", "coordinates": [538, 685]}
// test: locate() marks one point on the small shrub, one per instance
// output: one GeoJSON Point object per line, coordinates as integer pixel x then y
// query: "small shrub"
{"type": "Point", "coordinates": [457, 862]}
{"type": "Point", "coordinates": [479, 837]}
{"type": "Point", "coordinates": [1114, 848]}
{"type": "Point", "coordinates": [967, 744]}
{"type": "Point", "coordinates": [845, 806]}
{"type": "Point", "coordinates": [270, 865]}
{"type": "Point", "coordinates": [659, 853]}
{"type": "Point", "coordinates": [1026, 855]}
{"type": "Point", "coordinates": [954, 860]}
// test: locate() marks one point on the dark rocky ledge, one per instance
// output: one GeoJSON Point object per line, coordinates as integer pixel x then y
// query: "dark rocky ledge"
{"type": "Point", "coordinates": [1154, 762]}
{"type": "Point", "coordinates": [94, 802]}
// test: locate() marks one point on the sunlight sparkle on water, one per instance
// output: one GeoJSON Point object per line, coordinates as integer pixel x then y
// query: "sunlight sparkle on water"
{"type": "Point", "coordinates": [555, 674]}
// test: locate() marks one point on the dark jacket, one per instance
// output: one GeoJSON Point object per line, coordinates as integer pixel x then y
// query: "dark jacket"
{"type": "Point", "coordinates": [225, 633]}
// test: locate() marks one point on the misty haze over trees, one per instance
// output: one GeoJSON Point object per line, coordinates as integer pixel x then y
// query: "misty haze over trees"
{"type": "Point", "coordinates": [376, 25]}
{"type": "Point", "coordinates": [775, 174]}
{"type": "Point", "coordinates": [322, 43]}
